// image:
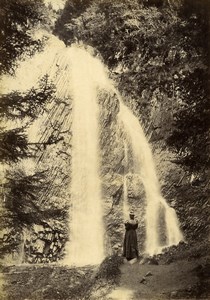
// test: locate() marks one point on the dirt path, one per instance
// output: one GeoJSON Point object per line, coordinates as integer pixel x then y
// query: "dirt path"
{"type": "Point", "coordinates": [181, 279]}
{"type": "Point", "coordinates": [176, 280]}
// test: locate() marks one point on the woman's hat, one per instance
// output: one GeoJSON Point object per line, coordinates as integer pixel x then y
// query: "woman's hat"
{"type": "Point", "coordinates": [131, 212]}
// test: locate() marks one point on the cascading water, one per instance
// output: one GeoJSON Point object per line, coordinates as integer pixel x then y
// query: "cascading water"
{"type": "Point", "coordinates": [77, 75]}
{"type": "Point", "coordinates": [144, 166]}
{"type": "Point", "coordinates": [125, 188]}
{"type": "Point", "coordinates": [80, 77]}
{"type": "Point", "coordinates": [86, 228]}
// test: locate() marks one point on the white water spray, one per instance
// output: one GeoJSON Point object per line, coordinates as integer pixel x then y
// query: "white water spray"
{"type": "Point", "coordinates": [144, 166]}
{"type": "Point", "coordinates": [77, 75]}
{"type": "Point", "coordinates": [80, 77]}
{"type": "Point", "coordinates": [125, 187]}
{"type": "Point", "coordinates": [86, 227]}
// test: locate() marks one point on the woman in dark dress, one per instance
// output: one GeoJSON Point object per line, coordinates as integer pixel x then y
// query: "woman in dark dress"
{"type": "Point", "coordinates": [130, 246]}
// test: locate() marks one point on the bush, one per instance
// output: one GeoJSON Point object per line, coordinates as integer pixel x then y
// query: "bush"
{"type": "Point", "coordinates": [110, 268]}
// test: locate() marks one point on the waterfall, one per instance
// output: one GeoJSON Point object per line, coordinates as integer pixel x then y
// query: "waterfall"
{"type": "Point", "coordinates": [77, 75]}
{"type": "Point", "coordinates": [144, 166]}
{"type": "Point", "coordinates": [125, 187]}
{"type": "Point", "coordinates": [125, 198]}
{"type": "Point", "coordinates": [86, 227]}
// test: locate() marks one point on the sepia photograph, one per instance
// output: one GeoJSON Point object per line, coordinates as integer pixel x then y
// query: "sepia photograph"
{"type": "Point", "coordinates": [104, 149]}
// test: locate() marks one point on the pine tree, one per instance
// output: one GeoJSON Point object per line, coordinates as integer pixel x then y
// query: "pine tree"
{"type": "Point", "coordinates": [17, 21]}
{"type": "Point", "coordinates": [19, 190]}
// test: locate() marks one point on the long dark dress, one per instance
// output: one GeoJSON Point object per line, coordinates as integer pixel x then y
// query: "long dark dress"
{"type": "Point", "coordinates": [130, 246]}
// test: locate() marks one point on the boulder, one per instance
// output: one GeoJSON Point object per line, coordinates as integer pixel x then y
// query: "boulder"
{"type": "Point", "coordinates": [143, 280]}
{"type": "Point", "coordinates": [174, 294]}
{"type": "Point", "coordinates": [38, 246]}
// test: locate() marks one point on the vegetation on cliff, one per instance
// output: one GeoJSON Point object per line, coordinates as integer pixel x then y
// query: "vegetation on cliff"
{"type": "Point", "coordinates": [157, 52]}
{"type": "Point", "coordinates": [17, 20]}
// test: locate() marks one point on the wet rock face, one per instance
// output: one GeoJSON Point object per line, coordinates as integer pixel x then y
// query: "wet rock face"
{"type": "Point", "coordinates": [110, 135]}
{"type": "Point", "coordinates": [34, 244]}
{"type": "Point", "coordinates": [10, 245]}
{"type": "Point", "coordinates": [114, 172]}
{"type": "Point", "coordinates": [43, 244]}
{"type": "Point", "coordinates": [111, 168]}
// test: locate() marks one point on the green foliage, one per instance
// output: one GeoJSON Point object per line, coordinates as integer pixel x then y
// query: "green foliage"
{"type": "Point", "coordinates": [10, 242]}
{"type": "Point", "coordinates": [13, 145]}
{"type": "Point", "coordinates": [158, 53]}
{"type": "Point", "coordinates": [190, 136]}
{"type": "Point", "coordinates": [22, 192]}
{"type": "Point", "coordinates": [156, 50]}
{"type": "Point", "coordinates": [17, 18]}
{"type": "Point", "coordinates": [28, 104]}
{"type": "Point", "coordinates": [109, 269]}
{"type": "Point", "coordinates": [19, 106]}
